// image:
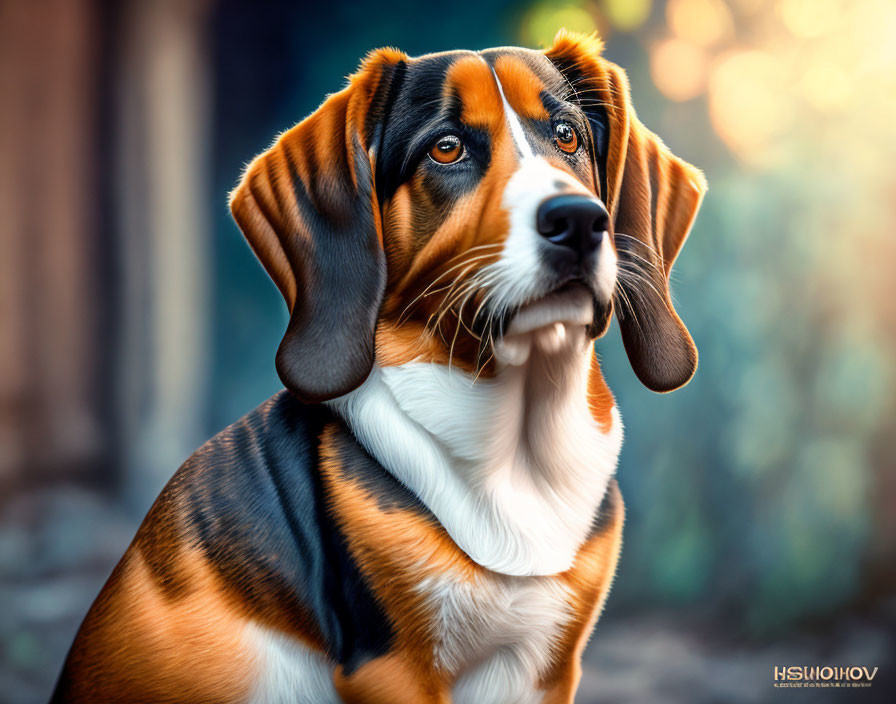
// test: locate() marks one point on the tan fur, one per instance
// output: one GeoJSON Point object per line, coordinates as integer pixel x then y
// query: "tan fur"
{"type": "Point", "coordinates": [188, 649]}
{"type": "Point", "coordinates": [472, 78]}
{"type": "Point", "coordinates": [600, 398]}
{"type": "Point", "coordinates": [391, 679]}
{"type": "Point", "coordinates": [522, 88]}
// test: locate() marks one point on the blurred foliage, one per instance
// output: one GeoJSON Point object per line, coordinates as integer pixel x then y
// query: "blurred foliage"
{"type": "Point", "coordinates": [756, 487]}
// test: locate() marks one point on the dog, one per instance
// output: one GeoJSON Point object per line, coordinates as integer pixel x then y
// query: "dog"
{"type": "Point", "coordinates": [428, 511]}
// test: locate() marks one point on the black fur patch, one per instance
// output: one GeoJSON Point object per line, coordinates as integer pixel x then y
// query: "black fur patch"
{"type": "Point", "coordinates": [252, 500]}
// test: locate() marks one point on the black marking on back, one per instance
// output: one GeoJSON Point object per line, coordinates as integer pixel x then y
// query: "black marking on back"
{"type": "Point", "coordinates": [252, 500]}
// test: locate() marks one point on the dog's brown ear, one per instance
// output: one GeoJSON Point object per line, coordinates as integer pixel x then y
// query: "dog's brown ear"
{"type": "Point", "coordinates": [653, 198]}
{"type": "Point", "coordinates": [308, 208]}
{"type": "Point", "coordinates": [654, 210]}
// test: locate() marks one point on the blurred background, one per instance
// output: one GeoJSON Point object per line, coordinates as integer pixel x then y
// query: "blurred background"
{"type": "Point", "coordinates": [761, 522]}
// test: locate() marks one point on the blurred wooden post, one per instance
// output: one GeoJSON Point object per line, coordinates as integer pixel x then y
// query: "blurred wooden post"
{"type": "Point", "coordinates": [49, 399]}
{"type": "Point", "coordinates": [163, 180]}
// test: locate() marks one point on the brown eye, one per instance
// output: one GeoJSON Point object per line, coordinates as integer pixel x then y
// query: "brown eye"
{"type": "Point", "coordinates": [447, 150]}
{"type": "Point", "coordinates": [566, 137]}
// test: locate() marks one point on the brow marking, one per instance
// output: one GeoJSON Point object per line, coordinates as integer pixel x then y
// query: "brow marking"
{"type": "Point", "coordinates": [513, 121]}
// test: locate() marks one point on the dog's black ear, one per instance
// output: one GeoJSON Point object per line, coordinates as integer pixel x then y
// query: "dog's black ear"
{"type": "Point", "coordinates": [653, 198]}
{"type": "Point", "coordinates": [308, 208]}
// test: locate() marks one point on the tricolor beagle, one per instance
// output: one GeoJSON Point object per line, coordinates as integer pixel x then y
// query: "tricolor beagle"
{"type": "Point", "coordinates": [428, 513]}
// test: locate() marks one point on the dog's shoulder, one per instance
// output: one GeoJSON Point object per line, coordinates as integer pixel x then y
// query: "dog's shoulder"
{"type": "Point", "coordinates": [256, 503]}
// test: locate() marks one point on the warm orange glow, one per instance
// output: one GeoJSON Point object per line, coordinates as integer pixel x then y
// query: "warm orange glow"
{"type": "Point", "coordinates": [678, 69]}
{"type": "Point", "coordinates": [703, 22]}
{"type": "Point", "coordinates": [748, 100]}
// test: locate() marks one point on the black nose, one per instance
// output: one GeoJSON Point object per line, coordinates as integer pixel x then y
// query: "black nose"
{"type": "Point", "coordinates": [575, 221]}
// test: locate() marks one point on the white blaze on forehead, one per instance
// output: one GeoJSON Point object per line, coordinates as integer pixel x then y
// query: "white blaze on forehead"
{"type": "Point", "coordinates": [513, 121]}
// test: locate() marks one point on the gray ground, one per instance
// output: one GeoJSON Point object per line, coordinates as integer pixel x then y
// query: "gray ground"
{"type": "Point", "coordinates": [56, 549]}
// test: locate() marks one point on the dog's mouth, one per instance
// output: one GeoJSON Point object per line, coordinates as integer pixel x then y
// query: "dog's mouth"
{"type": "Point", "coordinates": [557, 321]}
{"type": "Point", "coordinates": [571, 304]}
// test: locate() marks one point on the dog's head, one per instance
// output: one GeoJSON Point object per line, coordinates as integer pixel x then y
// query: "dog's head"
{"type": "Point", "coordinates": [458, 208]}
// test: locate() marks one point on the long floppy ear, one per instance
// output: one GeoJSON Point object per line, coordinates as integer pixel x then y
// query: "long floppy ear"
{"type": "Point", "coordinates": [653, 198]}
{"type": "Point", "coordinates": [308, 208]}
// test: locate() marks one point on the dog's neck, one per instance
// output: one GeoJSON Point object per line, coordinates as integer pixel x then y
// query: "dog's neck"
{"type": "Point", "coordinates": [514, 467]}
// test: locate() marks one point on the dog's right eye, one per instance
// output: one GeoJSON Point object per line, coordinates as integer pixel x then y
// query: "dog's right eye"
{"type": "Point", "coordinates": [447, 150]}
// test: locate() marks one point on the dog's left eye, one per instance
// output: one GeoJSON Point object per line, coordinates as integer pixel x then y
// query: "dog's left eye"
{"type": "Point", "coordinates": [447, 150]}
{"type": "Point", "coordinates": [566, 138]}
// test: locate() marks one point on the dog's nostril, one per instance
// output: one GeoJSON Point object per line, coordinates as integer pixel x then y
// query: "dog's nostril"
{"type": "Point", "coordinates": [601, 222]}
{"type": "Point", "coordinates": [559, 227]}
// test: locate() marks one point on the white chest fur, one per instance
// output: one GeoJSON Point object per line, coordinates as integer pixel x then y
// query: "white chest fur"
{"type": "Point", "coordinates": [513, 467]}
{"type": "Point", "coordinates": [495, 635]}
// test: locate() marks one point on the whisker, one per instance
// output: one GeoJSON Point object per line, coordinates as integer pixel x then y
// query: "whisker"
{"type": "Point", "coordinates": [646, 262]}
{"type": "Point", "coordinates": [624, 297]}
{"type": "Point", "coordinates": [450, 299]}
{"type": "Point", "coordinates": [426, 291]}
{"type": "Point", "coordinates": [634, 278]}
{"type": "Point", "coordinates": [636, 270]}
{"type": "Point", "coordinates": [638, 241]}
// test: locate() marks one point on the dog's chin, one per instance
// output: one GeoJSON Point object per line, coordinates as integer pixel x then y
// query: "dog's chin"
{"type": "Point", "coordinates": [560, 323]}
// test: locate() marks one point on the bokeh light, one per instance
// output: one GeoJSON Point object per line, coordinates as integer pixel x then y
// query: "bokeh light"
{"type": "Point", "coordinates": [826, 86]}
{"type": "Point", "coordinates": [544, 19]}
{"type": "Point", "coordinates": [810, 18]}
{"type": "Point", "coordinates": [748, 8]}
{"type": "Point", "coordinates": [626, 15]}
{"type": "Point", "coordinates": [704, 22]}
{"type": "Point", "coordinates": [748, 100]}
{"type": "Point", "coordinates": [678, 69]}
